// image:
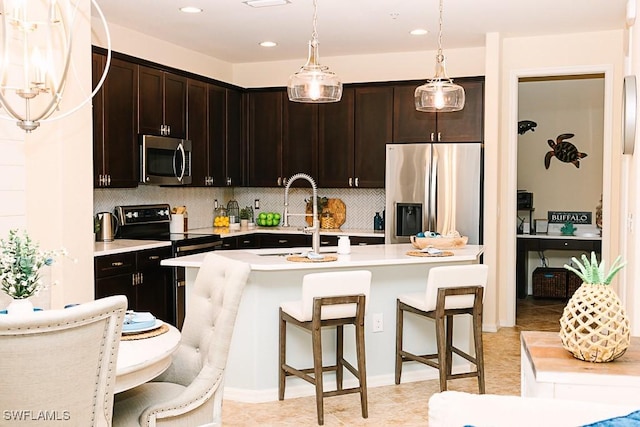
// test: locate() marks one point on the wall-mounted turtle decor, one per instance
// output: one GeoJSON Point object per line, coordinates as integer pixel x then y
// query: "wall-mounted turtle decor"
{"type": "Point", "coordinates": [563, 151]}
{"type": "Point", "coordinates": [525, 125]}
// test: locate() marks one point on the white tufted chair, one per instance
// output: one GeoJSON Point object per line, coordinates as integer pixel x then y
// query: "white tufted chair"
{"type": "Point", "coordinates": [189, 393]}
{"type": "Point", "coordinates": [58, 366]}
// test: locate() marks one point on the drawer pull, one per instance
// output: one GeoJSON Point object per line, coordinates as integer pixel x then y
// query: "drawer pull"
{"type": "Point", "coordinates": [117, 264]}
{"type": "Point", "coordinates": [246, 242]}
{"type": "Point", "coordinates": [283, 241]}
{"type": "Point", "coordinates": [153, 257]}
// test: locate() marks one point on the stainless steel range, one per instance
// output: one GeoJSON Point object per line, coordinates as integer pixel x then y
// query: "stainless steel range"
{"type": "Point", "coordinates": [151, 222]}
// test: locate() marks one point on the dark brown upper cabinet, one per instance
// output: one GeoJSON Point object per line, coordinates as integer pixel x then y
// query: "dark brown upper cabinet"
{"type": "Point", "coordinates": [466, 125]}
{"type": "Point", "coordinates": [373, 130]}
{"type": "Point", "coordinates": [353, 134]}
{"type": "Point", "coordinates": [225, 137]}
{"type": "Point", "coordinates": [163, 103]}
{"type": "Point", "coordinates": [115, 143]}
{"type": "Point", "coordinates": [198, 131]}
{"type": "Point", "coordinates": [336, 146]}
{"type": "Point", "coordinates": [300, 141]}
{"type": "Point", "coordinates": [265, 138]}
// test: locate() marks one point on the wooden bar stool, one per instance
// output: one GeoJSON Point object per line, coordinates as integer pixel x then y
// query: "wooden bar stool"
{"type": "Point", "coordinates": [451, 291]}
{"type": "Point", "coordinates": [328, 299]}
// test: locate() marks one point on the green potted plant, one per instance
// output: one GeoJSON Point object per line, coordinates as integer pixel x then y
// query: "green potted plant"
{"type": "Point", "coordinates": [246, 214]}
{"type": "Point", "coordinates": [594, 326]}
{"type": "Point", "coordinates": [20, 262]}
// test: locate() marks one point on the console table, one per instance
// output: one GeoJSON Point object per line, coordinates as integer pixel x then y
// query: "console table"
{"type": "Point", "coordinates": [540, 242]}
{"type": "Point", "coordinates": [548, 370]}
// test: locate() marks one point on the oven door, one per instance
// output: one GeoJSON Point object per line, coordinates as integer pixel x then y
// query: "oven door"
{"type": "Point", "coordinates": [184, 249]}
{"type": "Point", "coordinates": [165, 160]}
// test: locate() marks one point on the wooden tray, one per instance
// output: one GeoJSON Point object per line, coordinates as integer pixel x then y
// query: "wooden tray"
{"type": "Point", "coordinates": [336, 208]}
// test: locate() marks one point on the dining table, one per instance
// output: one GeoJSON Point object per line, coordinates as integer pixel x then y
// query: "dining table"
{"type": "Point", "coordinates": [144, 356]}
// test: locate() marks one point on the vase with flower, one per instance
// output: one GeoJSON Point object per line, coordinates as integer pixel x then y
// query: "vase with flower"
{"type": "Point", "coordinates": [20, 262]}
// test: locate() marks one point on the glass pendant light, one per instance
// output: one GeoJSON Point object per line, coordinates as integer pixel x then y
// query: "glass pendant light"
{"type": "Point", "coordinates": [439, 94]}
{"type": "Point", "coordinates": [314, 83]}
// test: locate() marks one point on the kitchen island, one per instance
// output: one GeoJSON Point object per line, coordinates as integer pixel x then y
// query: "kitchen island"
{"type": "Point", "coordinates": [252, 368]}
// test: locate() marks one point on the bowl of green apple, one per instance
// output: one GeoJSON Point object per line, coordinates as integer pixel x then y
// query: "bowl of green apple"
{"type": "Point", "coordinates": [268, 219]}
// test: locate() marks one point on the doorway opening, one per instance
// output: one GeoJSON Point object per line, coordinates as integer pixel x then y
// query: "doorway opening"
{"type": "Point", "coordinates": [559, 152]}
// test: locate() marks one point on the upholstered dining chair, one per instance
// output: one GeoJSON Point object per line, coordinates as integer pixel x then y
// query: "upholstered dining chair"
{"type": "Point", "coordinates": [57, 367]}
{"type": "Point", "coordinates": [189, 393]}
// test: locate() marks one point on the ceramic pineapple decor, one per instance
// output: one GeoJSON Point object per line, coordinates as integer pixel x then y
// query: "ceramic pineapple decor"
{"type": "Point", "coordinates": [594, 326]}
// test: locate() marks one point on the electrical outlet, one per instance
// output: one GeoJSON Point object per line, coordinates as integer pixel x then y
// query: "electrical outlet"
{"type": "Point", "coordinates": [376, 319]}
{"type": "Point", "coordinates": [256, 204]}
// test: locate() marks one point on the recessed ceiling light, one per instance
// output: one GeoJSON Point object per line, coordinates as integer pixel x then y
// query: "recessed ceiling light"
{"type": "Point", "coordinates": [268, 44]}
{"type": "Point", "coordinates": [418, 32]}
{"type": "Point", "coordinates": [190, 9]}
{"type": "Point", "coordinates": [265, 3]}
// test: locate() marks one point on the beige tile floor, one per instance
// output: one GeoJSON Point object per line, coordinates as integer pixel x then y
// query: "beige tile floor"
{"type": "Point", "coordinates": [406, 404]}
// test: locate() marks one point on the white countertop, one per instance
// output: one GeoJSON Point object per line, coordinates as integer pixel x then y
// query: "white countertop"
{"type": "Point", "coordinates": [125, 245]}
{"type": "Point", "coordinates": [360, 256]}
{"type": "Point", "coordinates": [225, 232]}
{"type": "Point", "coordinates": [577, 236]}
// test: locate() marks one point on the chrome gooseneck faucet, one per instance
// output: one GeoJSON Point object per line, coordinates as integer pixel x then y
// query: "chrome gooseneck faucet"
{"type": "Point", "coordinates": [315, 229]}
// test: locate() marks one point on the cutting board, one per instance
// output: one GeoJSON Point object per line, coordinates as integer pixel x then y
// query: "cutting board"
{"type": "Point", "coordinates": [336, 208]}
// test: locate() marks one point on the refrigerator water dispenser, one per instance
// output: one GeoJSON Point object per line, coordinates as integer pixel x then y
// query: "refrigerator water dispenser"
{"type": "Point", "coordinates": [408, 219]}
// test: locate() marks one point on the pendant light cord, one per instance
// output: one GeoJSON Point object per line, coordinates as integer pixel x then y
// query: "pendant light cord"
{"type": "Point", "coordinates": [440, 56]}
{"type": "Point", "coordinates": [314, 34]}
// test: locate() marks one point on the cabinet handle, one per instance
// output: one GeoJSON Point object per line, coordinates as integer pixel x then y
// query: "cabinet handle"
{"type": "Point", "coordinates": [229, 181]}
{"type": "Point", "coordinates": [357, 184]}
{"type": "Point", "coordinates": [168, 130]}
{"type": "Point", "coordinates": [325, 242]}
{"type": "Point", "coordinates": [284, 181]}
{"type": "Point", "coordinates": [153, 257]}
{"type": "Point", "coordinates": [246, 242]}
{"type": "Point", "coordinates": [117, 264]}
{"type": "Point", "coordinates": [282, 241]}
{"type": "Point", "coordinates": [439, 136]}
{"type": "Point", "coordinates": [141, 278]}
{"type": "Point", "coordinates": [108, 180]}
{"type": "Point", "coordinates": [134, 279]}
{"type": "Point", "coordinates": [350, 182]}
{"type": "Point", "coordinates": [279, 181]}
{"type": "Point", "coordinates": [181, 283]}
{"type": "Point", "coordinates": [432, 137]}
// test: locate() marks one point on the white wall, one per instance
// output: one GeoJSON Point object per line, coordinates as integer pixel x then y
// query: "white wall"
{"type": "Point", "coordinates": [48, 182]}
{"type": "Point", "coordinates": [562, 106]}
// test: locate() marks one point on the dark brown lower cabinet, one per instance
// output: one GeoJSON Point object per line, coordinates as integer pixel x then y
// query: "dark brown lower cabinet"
{"type": "Point", "coordinates": [139, 276]}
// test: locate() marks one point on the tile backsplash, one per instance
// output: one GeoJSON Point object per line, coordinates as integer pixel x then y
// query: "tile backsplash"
{"type": "Point", "coordinates": [361, 203]}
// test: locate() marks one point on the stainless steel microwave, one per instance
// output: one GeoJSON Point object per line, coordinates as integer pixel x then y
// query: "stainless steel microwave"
{"type": "Point", "coordinates": [165, 160]}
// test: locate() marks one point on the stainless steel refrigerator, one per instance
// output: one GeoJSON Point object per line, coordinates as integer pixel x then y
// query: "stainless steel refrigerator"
{"type": "Point", "coordinates": [433, 187]}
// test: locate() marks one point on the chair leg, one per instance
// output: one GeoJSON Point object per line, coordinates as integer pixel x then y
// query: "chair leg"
{"type": "Point", "coordinates": [449, 352]}
{"type": "Point", "coordinates": [282, 356]}
{"type": "Point", "coordinates": [316, 339]}
{"type": "Point", "coordinates": [477, 339]}
{"type": "Point", "coordinates": [399, 327]}
{"type": "Point", "coordinates": [362, 369]}
{"type": "Point", "coordinates": [442, 351]}
{"type": "Point", "coordinates": [339, 356]}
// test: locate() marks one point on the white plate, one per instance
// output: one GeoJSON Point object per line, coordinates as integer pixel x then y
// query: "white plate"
{"type": "Point", "coordinates": [148, 328]}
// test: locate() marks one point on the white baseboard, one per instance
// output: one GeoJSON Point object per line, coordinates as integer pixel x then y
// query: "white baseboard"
{"type": "Point", "coordinates": [304, 389]}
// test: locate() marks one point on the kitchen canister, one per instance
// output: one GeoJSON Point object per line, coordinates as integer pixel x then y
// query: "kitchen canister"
{"type": "Point", "coordinates": [177, 223]}
{"type": "Point", "coordinates": [344, 245]}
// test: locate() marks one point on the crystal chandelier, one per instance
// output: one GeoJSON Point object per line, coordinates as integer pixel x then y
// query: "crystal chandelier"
{"type": "Point", "coordinates": [314, 82]}
{"type": "Point", "coordinates": [35, 60]}
{"type": "Point", "coordinates": [439, 94]}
